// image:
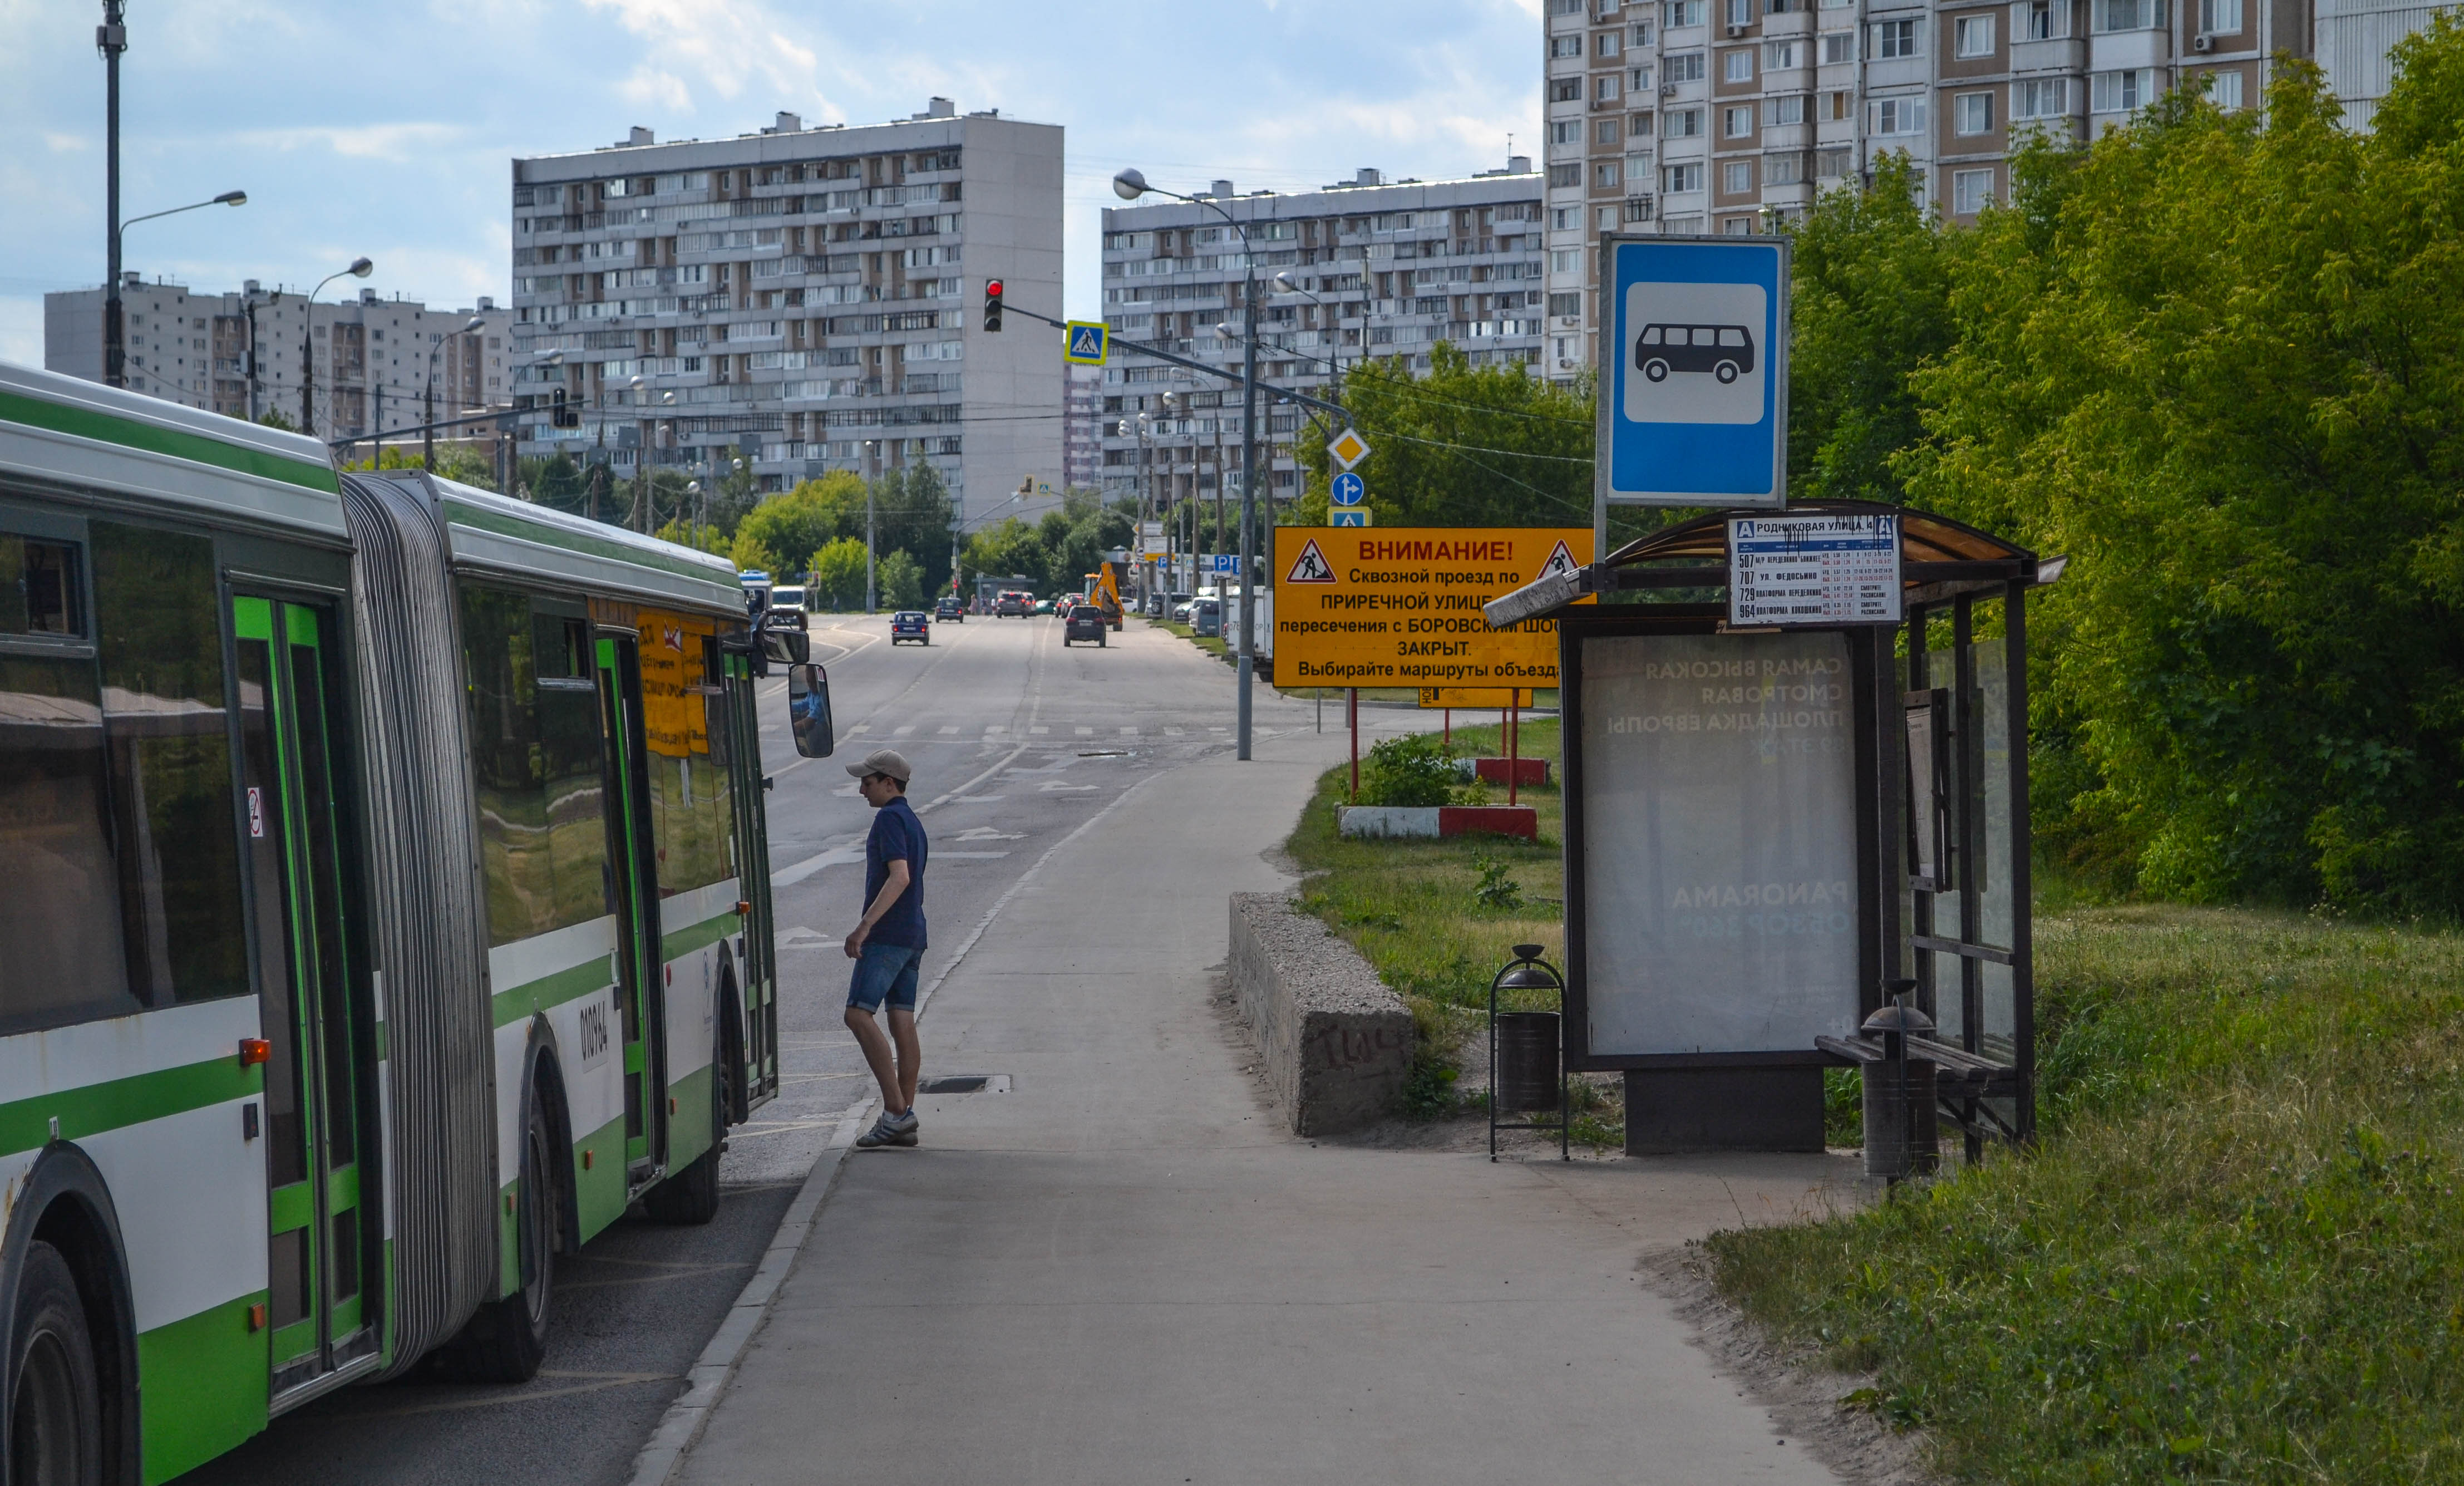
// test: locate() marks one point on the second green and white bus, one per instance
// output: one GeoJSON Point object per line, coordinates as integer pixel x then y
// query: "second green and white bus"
{"type": "Point", "coordinates": [384, 908]}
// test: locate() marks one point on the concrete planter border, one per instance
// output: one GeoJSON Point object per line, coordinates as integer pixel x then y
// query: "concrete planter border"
{"type": "Point", "coordinates": [1431, 821]}
{"type": "Point", "coordinates": [1337, 1043]}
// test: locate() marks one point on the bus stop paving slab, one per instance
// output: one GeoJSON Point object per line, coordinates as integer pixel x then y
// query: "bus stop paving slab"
{"type": "Point", "coordinates": [1125, 1269]}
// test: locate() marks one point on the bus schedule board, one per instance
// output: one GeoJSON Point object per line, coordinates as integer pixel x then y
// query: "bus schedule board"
{"type": "Point", "coordinates": [1717, 889]}
{"type": "Point", "coordinates": [1400, 606]}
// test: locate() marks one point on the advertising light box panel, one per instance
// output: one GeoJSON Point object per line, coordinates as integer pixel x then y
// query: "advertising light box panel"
{"type": "Point", "coordinates": [1720, 862]}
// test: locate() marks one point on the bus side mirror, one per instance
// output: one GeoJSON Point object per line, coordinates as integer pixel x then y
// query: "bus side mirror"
{"type": "Point", "coordinates": [786, 647]}
{"type": "Point", "coordinates": [808, 709]}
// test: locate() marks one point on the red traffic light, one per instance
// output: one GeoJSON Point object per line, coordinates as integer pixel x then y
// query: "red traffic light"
{"type": "Point", "coordinates": [992, 288]}
{"type": "Point", "coordinates": [992, 305]}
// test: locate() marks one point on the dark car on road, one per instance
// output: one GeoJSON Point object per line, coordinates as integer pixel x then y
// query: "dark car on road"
{"type": "Point", "coordinates": [1086, 622]}
{"type": "Point", "coordinates": [910, 624]}
{"type": "Point", "coordinates": [952, 608]}
{"type": "Point", "coordinates": [1725, 351]}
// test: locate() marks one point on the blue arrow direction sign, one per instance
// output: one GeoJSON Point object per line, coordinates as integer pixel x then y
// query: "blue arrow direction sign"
{"type": "Point", "coordinates": [1694, 372]}
{"type": "Point", "coordinates": [1349, 489]}
{"type": "Point", "coordinates": [1354, 516]}
{"type": "Point", "coordinates": [1083, 343]}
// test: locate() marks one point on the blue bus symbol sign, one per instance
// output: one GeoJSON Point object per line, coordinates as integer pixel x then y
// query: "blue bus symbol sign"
{"type": "Point", "coordinates": [1695, 373]}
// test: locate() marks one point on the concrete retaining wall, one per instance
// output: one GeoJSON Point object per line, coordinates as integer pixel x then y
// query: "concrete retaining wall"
{"type": "Point", "coordinates": [1337, 1043]}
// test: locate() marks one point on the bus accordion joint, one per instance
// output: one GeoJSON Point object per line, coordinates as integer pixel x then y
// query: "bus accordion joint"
{"type": "Point", "coordinates": [254, 1051]}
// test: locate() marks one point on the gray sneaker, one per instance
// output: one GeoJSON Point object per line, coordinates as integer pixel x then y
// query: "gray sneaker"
{"type": "Point", "coordinates": [903, 1128]}
{"type": "Point", "coordinates": [880, 1135]}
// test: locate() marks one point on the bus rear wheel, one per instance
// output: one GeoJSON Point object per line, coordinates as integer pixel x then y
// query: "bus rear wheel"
{"type": "Point", "coordinates": [55, 1395]}
{"type": "Point", "coordinates": [690, 1198]}
{"type": "Point", "coordinates": [507, 1341]}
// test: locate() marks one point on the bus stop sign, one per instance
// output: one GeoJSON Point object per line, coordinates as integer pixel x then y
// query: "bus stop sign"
{"type": "Point", "coordinates": [1695, 373]}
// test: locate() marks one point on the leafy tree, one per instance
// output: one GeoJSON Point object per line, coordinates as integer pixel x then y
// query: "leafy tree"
{"type": "Point", "coordinates": [1869, 301]}
{"type": "Point", "coordinates": [1008, 548]}
{"type": "Point", "coordinates": [2220, 361]}
{"type": "Point", "coordinates": [900, 579]}
{"type": "Point", "coordinates": [1459, 446]}
{"type": "Point", "coordinates": [456, 462]}
{"type": "Point", "coordinates": [835, 576]}
{"type": "Point", "coordinates": [776, 535]}
{"type": "Point", "coordinates": [555, 481]}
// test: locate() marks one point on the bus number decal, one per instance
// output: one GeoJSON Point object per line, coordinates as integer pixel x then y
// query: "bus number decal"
{"type": "Point", "coordinates": [594, 1033]}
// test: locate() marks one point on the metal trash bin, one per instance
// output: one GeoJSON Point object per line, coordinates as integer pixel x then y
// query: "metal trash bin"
{"type": "Point", "coordinates": [1527, 1060]}
{"type": "Point", "coordinates": [1902, 1129]}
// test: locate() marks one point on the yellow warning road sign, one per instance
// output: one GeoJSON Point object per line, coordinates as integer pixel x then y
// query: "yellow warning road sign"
{"type": "Point", "coordinates": [1400, 606]}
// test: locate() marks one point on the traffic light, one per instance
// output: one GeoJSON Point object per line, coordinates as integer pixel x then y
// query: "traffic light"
{"type": "Point", "coordinates": [563, 416]}
{"type": "Point", "coordinates": [992, 305]}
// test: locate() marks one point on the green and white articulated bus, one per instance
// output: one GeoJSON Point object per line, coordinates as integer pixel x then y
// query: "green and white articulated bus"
{"type": "Point", "coordinates": [385, 910]}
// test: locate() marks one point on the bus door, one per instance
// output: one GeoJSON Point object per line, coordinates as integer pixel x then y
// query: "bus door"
{"type": "Point", "coordinates": [641, 968]}
{"type": "Point", "coordinates": [759, 971]}
{"type": "Point", "coordinates": [292, 741]}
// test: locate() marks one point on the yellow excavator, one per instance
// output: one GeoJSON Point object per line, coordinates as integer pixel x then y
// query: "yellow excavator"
{"type": "Point", "coordinates": [1103, 590]}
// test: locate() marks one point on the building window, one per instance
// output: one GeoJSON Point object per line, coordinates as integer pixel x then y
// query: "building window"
{"type": "Point", "coordinates": [1568, 172]}
{"type": "Point", "coordinates": [1972, 36]}
{"type": "Point", "coordinates": [1608, 174]}
{"type": "Point", "coordinates": [1566, 131]}
{"type": "Point", "coordinates": [2043, 20]}
{"type": "Point", "coordinates": [1566, 90]}
{"type": "Point", "coordinates": [1608, 89]}
{"type": "Point", "coordinates": [1684, 12]}
{"type": "Point", "coordinates": [2041, 97]}
{"type": "Point", "coordinates": [1685, 67]}
{"type": "Point", "coordinates": [1638, 209]}
{"type": "Point", "coordinates": [1565, 303]}
{"type": "Point", "coordinates": [1637, 126]}
{"type": "Point", "coordinates": [1737, 227]}
{"type": "Point", "coordinates": [1566, 261]}
{"type": "Point", "coordinates": [2120, 92]}
{"type": "Point", "coordinates": [1781, 55]}
{"type": "Point", "coordinates": [1737, 66]}
{"type": "Point", "coordinates": [2219, 17]}
{"type": "Point", "coordinates": [1608, 219]}
{"type": "Point", "coordinates": [1737, 122]}
{"type": "Point", "coordinates": [1971, 191]}
{"type": "Point", "coordinates": [1638, 79]}
{"type": "Point", "coordinates": [1674, 179]}
{"type": "Point", "coordinates": [1899, 116]}
{"type": "Point", "coordinates": [1606, 44]}
{"type": "Point", "coordinates": [1685, 122]}
{"type": "Point", "coordinates": [1565, 46]}
{"type": "Point", "coordinates": [1604, 131]}
{"type": "Point", "coordinates": [1895, 39]}
{"type": "Point", "coordinates": [1566, 218]}
{"type": "Point", "coordinates": [2130, 15]}
{"type": "Point", "coordinates": [1783, 169]}
{"type": "Point", "coordinates": [1737, 177]}
{"type": "Point", "coordinates": [1830, 165]}
{"type": "Point", "coordinates": [1972, 113]}
{"type": "Point", "coordinates": [1788, 109]}
{"type": "Point", "coordinates": [2223, 90]}
{"type": "Point", "coordinates": [1839, 46]}
{"type": "Point", "coordinates": [1642, 33]}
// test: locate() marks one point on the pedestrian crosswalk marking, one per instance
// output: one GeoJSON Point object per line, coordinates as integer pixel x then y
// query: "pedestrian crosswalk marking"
{"type": "Point", "coordinates": [861, 727]}
{"type": "Point", "coordinates": [1039, 729]}
{"type": "Point", "coordinates": [1086, 732]}
{"type": "Point", "coordinates": [1310, 566]}
{"type": "Point", "coordinates": [901, 732]}
{"type": "Point", "coordinates": [1129, 732]}
{"type": "Point", "coordinates": [949, 732]}
{"type": "Point", "coordinates": [1176, 732]}
{"type": "Point", "coordinates": [995, 729]}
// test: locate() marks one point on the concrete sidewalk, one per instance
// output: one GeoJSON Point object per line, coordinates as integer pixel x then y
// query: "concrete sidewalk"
{"type": "Point", "coordinates": [1125, 1270]}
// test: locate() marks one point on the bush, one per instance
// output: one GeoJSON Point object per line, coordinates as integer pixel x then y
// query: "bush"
{"type": "Point", "coordinates": [1411, 771]}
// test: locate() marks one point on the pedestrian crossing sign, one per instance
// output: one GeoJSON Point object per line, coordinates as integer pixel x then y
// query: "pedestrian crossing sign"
{"type": "Point", "coordinates": [1310, 566]}
{"type": "Point", "coordinates": [1083, 343]}
{"type": "Point", "coordinates": [1348, 515]}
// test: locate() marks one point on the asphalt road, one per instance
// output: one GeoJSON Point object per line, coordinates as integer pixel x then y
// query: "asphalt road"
{"type": "Point", "coordinates": [1017, 743]}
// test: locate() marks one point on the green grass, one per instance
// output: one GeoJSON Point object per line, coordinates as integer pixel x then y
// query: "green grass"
{"type": "Point", "coordinates": [1410, 907]}
{"type": "Point", "coordinates": [2237, 1253]}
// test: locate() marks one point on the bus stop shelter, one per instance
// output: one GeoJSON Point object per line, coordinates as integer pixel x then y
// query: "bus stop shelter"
{"type": "Point", "coordinates": [1774, 829]}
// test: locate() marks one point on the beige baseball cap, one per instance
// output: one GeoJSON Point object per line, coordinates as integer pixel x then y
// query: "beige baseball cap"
{"type": "Point", "coordinates": [883, 761]}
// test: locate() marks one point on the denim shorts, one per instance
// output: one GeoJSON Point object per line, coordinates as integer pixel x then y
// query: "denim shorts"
{"type": "Point", "coordinates": [885, 973]}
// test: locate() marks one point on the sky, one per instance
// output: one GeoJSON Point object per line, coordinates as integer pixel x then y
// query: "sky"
{"type": "Point", "coordinates": [387, 129]}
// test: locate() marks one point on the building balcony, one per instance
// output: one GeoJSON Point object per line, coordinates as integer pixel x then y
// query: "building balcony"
{"type": "Point", "coordinates": [2118, 49]}
{"type": "Point", "coordinates": [2063, 54]}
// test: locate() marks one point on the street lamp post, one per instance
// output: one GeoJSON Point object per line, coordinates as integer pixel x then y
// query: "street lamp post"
{"type": "Point", "coordinates": [1130, 184]}
{"type": "Point", "coordinates": [114, 325]}
{"type": "Point", "coordinates": [872, 588]}
{"type": "Point", "coordinates": [428, 416]}
{"type": "Point", "coordinates": [360, 268]}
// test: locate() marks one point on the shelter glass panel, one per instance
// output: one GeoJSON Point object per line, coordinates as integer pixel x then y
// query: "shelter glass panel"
{"type": "Point", "coordinates": [1720, 857]}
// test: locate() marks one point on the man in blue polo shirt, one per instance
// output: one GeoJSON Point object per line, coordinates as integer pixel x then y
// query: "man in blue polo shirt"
{"type": "Point", "coordinates": [887, 946]}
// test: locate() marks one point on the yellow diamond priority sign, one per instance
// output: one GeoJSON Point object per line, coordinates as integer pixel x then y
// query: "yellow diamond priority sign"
{"type": "Point", "coordinates": [1348, 448]}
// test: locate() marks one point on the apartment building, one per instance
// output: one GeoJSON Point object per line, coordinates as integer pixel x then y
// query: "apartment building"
{"type": "Point", "coordinates": [1082, 456]}
{"type": "Point", "coordinates": [1690, 117]}
{"type": "Point", "coordinates": [1361, 268]}
{"type": "Point", "coordinates": [374, 357]}
{"type": "Point", "coordinates": [801, 297]}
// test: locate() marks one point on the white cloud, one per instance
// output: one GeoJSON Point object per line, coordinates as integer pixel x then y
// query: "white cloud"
{"type": "Point", "coordinates": [394, 142]}
{"type": "Point", "coordinates": [62, 143]}
{"type": "Point", "coordinates": [652, 87]}
{"type": "Point", "coordinates": [731, 44]}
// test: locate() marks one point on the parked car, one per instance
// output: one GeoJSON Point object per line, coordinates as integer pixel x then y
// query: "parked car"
{"type": "Point", "coordinates": [951, 607]}
{"type": "Point", "coordinates": [1086, 622]}
{"type": "Point", "coordinates": [910, 624]}
{"type": "Point", "coordinates": [1206, 618]}
{"type": "Point", "coordinates": [1014, 603]}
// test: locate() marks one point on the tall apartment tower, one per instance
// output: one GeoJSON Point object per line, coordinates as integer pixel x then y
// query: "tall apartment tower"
{"type": "Point", "coordinates": [240, 354]}
{"type": "Point", "coordinates": [1690, 117]}
{"type": "Point", "coordinates": [1376, 269]}
{"type": "Point", "coordinates": [801, 298]}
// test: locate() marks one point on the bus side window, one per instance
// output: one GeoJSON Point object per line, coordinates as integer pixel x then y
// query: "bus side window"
{"type": "Point", "coordinates": [1650, 334]}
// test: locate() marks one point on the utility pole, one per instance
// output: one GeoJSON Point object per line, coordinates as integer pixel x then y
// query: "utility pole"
{"type": "Point", "coordinates": [111, 38]}
{"type": "Point", "coordinates": [1249, 496]}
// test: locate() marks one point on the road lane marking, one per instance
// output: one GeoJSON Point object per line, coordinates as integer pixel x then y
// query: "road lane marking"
{"type": "Point", "coordinates": [902, 730]}
{"type": "Point", "coordinates": [1086, 732]}
{"type": "Point", "coordinates": [969, 856]}
{"type": "Point", "coordinates": [1129, 732]}
{"type": "Point", "coordinates": [949, 732]}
